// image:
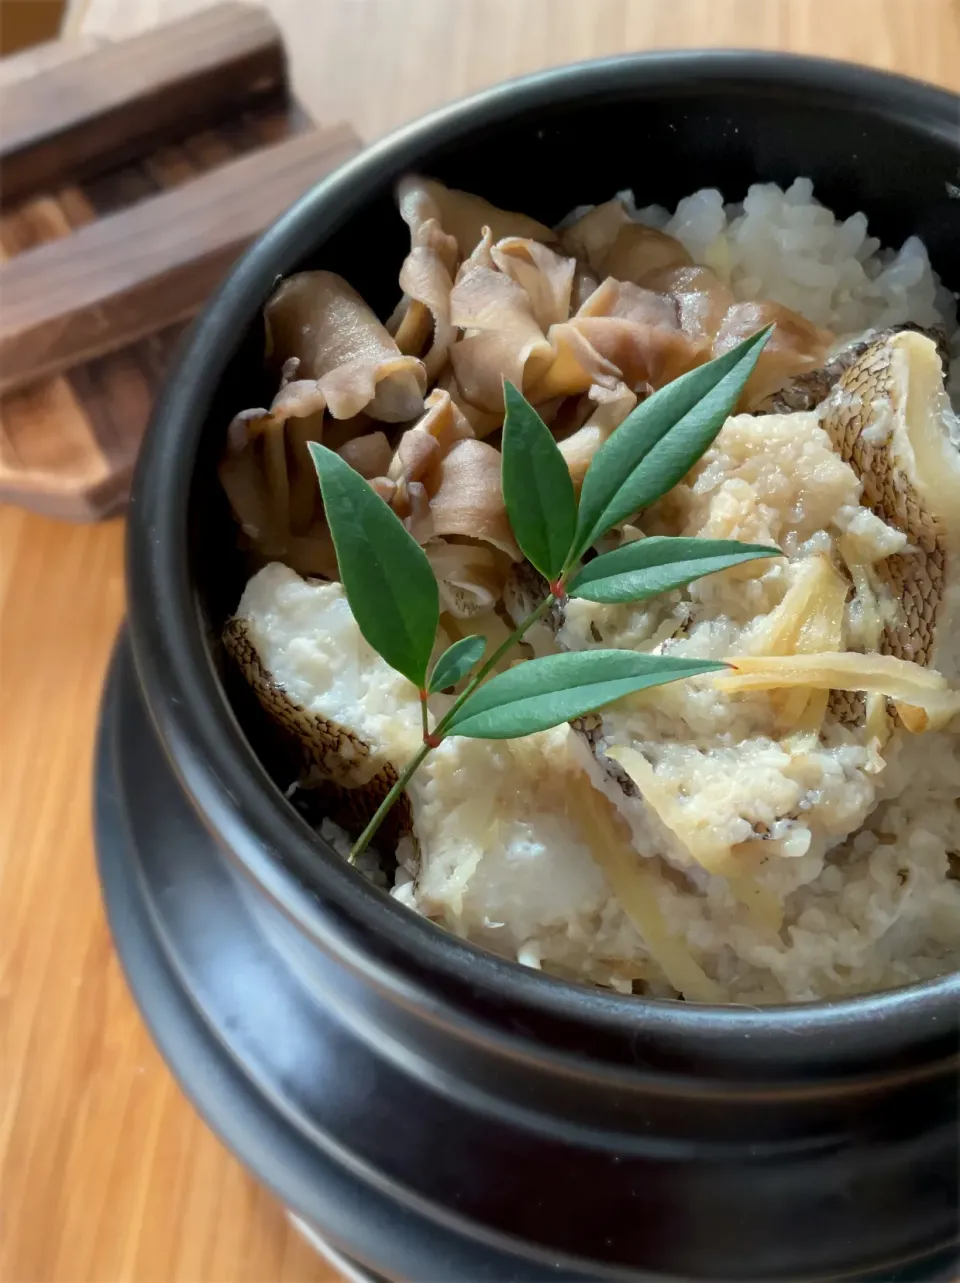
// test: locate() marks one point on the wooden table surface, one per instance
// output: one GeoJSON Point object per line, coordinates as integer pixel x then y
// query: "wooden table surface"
{"type": "Point", "coordinates": [106, 1175]}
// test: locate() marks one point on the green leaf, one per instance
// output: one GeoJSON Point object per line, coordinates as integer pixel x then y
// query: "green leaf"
{"type": "Point", "coordinates": [455, 662]}
{"type": "Point", "coordinates": [660, 441]}
{"type": "Point", "coordinates": [537, 489]}
{"type": "Point", "coordinates": [647, 567]}
{"type": "Point", "coordinates": [541, 693]}
{"type": "Point", "coordinates": [385, 573]}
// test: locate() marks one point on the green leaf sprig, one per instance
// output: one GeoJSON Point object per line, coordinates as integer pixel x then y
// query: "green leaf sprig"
{"type": "Point", "coordinates": [393, 594]}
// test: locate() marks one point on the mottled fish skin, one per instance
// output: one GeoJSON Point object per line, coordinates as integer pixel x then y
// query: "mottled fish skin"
{"type": "Point", "coordinates": [871, 389]}
{"type": "Point", "coordinates": [807, 391]}
{"type": "Point", "coordinates": [524, 591]}
{"type": "Point", "coordinates": [328, 751]}
{"type": "Point", "coordinates": [590, 729]}
{"type": "Point", "coordinates": [916, 579]}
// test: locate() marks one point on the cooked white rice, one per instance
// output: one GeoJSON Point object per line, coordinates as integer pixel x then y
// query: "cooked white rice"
{"type": "Point", "coordinates": [787, 247]}
{"type": "Point", "coordinates": [871, 904]}
{"type": "Point", "coordinates": [867, 873]}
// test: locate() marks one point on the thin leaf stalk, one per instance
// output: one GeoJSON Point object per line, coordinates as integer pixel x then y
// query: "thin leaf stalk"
{"type": "Point", "coordinates": [485, 671]}
{"type": "Point", "coordinates": [370, 832]}
{"type": "Point", "coordinates": [431, 740]}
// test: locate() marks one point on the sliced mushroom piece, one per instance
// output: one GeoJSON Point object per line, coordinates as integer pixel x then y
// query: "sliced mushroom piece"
{"type": "Point", "coordinates": [271, 486]}
{"type": "Point", "coordinates": [415, 451]}
{"type": "Point", "coordinates": [502, 339]}
{"type": "Point", "coordinates": [470, 575]}
{"type": "Point", "coordinates": [796, 346]}
{"type": "Point", "coordinates": [632, 303]}
{"type": "Point", "coordinates": [422, 446]}
{"type": "Point", "coordinates": [611, 243]}
{"type": "Point", "coordinates": [336, 360]}
{"type": "Point", "coordinates": [427, 284]}
{"type": "Point", "coordinates": [590, 237]}
{"type": "Point", "coordinates": [411, 503]}
{"type": "Point", "coordinates": [612, 407]}
{"type": "Point", "coordinates": [610, 351]}
{"type": "Point", "coordinates": [645, 355]}
{"type": "Point", "coordinates": [576, 365]}
{"type": "Point", "coordinates": [639, 251]}
{"type": "Point", "coordinates": [545, 275]}
{"type": "Point", "coordinates": [462, 215]}
{"type": "Point", "coordinates": [466, 496]}
{"type": "Point", "coordinates": [585, 281]}
{"type": "Point", "coordinates": [347, 359]}
{"type": "Point", "coordinates": [369, 455]}
{"type": "Point", "coordinates": [426, 278]}
{"type": "Point", "coordinates": [701, 298]}
{"type": "Point", "coordinates": [398, 478]}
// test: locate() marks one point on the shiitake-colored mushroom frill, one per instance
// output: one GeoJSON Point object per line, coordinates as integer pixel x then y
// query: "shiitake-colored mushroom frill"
{"type": "Point", "coordinates": [587, 320]}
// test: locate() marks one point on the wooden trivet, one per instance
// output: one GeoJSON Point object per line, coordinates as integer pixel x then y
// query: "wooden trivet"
{"type": "Point", "coordinates": [131, 177]}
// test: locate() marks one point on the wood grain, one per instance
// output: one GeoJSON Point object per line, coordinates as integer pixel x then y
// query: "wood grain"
{"type": "Point", "coordinates": [150, 265]}
{"type": "Point", "coordinates": [378, 63]}
{"type": "Point", "coordinates": [94, 1136]}
{"type": "Point", "coordinates": [87, 115]}
{"type": "Point", "coordinates": [68, 444]}
{"type": "Point", "coordinates": [107, 1177]}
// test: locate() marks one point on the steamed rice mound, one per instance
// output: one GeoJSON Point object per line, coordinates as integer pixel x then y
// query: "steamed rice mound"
{"type": "Point", "coordinates": [759, 846]}
{"type": "Point", "coordinates": [867, 900]}
{"type": "Point", "coordinates": [861, 840]}
{"type": "Point", "coordinates": [786, 246]}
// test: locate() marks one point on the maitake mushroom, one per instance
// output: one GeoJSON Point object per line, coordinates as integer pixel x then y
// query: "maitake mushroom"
{"type": "Point", "coordinates": [586, 322]}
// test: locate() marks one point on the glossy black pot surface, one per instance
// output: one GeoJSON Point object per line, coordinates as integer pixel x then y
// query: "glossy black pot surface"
{"type": "Point", "coordinates": [437, 1112]}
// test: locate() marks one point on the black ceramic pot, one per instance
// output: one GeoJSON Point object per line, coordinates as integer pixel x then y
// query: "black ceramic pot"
{"type": "Point", "coordinates": [436, 1112]}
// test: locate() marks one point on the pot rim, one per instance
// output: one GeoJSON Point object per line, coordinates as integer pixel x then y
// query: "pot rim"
{"type": "Point", "coordinates": [218, 767]}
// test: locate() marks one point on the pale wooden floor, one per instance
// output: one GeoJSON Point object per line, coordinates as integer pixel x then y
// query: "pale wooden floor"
{"type": "Point", "coordinates": [106, 1176]}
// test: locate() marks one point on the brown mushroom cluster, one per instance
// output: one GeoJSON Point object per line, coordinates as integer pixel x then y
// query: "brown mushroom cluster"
{"type": "Point", "coordinates": [587, 320]}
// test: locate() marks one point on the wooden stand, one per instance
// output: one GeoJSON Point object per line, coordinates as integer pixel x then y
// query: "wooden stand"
{"type": "Point", "coordinates": [132, 177]}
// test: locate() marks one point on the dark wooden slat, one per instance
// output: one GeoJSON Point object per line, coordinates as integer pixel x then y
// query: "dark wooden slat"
{"type": "Point", "coordinates": [152, 264]}
{"type": "Point", "coordinates": [90, 113]}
